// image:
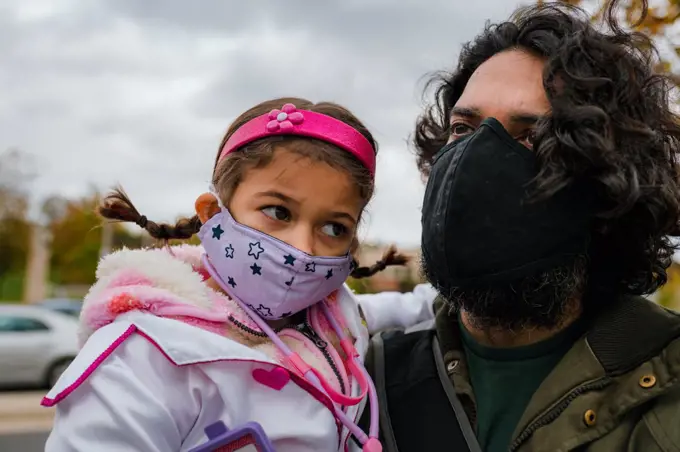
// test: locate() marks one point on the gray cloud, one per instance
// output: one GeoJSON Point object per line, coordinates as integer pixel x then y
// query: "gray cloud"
{"type": "Point", "coordinates": [140, 92]}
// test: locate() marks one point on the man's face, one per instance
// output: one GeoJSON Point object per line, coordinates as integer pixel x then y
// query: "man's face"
{"type": "Point", "coordinates": [508, 87]}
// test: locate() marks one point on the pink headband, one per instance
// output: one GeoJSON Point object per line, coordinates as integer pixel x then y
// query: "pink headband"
{"type": "Point", "coordinates": [291, 121]}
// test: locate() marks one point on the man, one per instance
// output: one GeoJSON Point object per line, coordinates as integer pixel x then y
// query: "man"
{"type": "Point", "coordinates": [551, 158]}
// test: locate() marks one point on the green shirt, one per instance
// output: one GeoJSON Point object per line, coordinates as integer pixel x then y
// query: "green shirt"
{"type": "Point", "coordinates": [504, 379]}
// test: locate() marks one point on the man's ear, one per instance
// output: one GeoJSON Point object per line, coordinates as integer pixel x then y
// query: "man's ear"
{"type": "Point", "coordinates": [206, 207]}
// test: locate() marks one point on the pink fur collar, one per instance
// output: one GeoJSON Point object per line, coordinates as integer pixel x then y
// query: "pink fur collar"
{"type": "Point", "coordinates": [167, 282]}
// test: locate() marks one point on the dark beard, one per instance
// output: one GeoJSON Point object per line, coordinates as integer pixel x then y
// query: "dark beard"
{"type": "Point", "coordinates": [541, 301]}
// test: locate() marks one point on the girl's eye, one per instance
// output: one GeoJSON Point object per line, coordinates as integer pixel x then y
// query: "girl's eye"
{"type": "Point", "coordinates": [334, 229]}
{"type": "Point", "coordinates": [459, 129]}
{"type": "Point", "coordinates": [277, 213]}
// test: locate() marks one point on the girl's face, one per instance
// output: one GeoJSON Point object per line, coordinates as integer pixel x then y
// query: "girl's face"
{"type": "Point", "coordinates": [307, 204]}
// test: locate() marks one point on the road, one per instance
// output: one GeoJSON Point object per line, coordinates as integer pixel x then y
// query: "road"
{"type": "Point", "coordinates": [23, 442]}
{"type": "Point", "coordinates": [24, 424]}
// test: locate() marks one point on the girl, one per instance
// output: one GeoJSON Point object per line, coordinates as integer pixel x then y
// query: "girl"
{"type": "Point", "coordinates": [255, 325]}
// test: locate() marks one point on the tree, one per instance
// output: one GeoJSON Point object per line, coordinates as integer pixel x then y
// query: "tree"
{"type": "Point", "coordinates": [359, 286]}
{"type": "Point", "coordinates": [407, 283]}
{"type": "Point", "coordinates": [15, 228]}
{"type": "Point", "coordinates": [668, 295]}
{"type": "Point", "coordinates": [76, 239]}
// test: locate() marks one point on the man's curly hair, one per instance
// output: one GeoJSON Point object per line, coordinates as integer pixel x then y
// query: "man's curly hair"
{"type": "Point", "coordinates": [611, 124]}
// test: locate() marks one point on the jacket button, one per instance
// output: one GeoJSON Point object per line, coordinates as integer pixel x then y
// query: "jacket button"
{"type": "Point", "coordinates": [647, 381]}
{"type": "Point", "coordinates": [589, 418]}
{"type": "Point", "coordinates": [451, 366]}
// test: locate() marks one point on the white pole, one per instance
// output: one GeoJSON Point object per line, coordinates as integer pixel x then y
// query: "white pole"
{"type": "Point", "coordinates": [37, 265]}
{"type": "Point", "coordinates": [107, 239]}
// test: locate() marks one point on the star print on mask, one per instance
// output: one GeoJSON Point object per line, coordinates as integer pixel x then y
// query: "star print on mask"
{"type": "Point", "coordinates": [229, 251]}
{"type": "Point", "coordinates": [290, 283]}
{"type": "Point", "coordinates": [257, 270]}
{"type": "Point", "coordinates": [311, 267]}
{"type": "Point", "coordinates": [290, 260]}
{"type": "Point", "coordinates": [264, 311]}
{"type": "Point", "coordinates": [255, 250]}
{"type": "Point", "coordinates": [217, 232]}
{"type": "Point", "coordinates": [329, 274]}
{"type": "Point", "coordinates": [231, 281]}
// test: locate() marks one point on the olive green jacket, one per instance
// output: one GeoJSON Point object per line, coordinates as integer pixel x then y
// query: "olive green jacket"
{"type": "Point", "coordinates": [617, 389]}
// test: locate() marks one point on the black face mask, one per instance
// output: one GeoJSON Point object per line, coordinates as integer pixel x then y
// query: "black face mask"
{"type": "Point", "coordinates": [479, 226]}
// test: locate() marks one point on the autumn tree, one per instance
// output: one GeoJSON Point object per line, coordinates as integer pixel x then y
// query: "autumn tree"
{"type": "Point", "coordinates": [15, 230]}
{"type": "Point", "coordinates": [76, 238]}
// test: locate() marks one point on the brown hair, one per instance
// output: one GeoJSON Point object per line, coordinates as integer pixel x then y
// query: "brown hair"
{"type": "Point", "coordinates": [228, 173]}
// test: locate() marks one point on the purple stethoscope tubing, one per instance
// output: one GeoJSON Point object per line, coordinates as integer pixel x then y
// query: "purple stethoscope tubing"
{"type": "Point", "coordinates": [309, 375]}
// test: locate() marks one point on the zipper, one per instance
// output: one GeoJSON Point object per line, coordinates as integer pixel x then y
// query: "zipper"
{"type": "Point", "coordinates": [554, 412]}
{"type": "Point", "coordinates": [306, 330]}
{"type": "Point", "coordinates": [246, 328]}
{"type": "Point", "coordinates": [471, 410]}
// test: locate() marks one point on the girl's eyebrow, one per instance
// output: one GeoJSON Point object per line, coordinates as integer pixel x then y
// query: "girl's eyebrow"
{"type": "Point", "coordinates": [288, 199]}
{"type": "Point", "coordinates": [278, 195]}
{"type": "Point", "coordinates": [344, 215]}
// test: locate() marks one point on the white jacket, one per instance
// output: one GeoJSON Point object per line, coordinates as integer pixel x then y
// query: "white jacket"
{"type": "Point", "coordinates": [150, 377]}
{"type": "Point", "coordinates": [398, 310]}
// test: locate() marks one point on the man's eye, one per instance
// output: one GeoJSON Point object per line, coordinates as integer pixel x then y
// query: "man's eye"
{"type": "Point", "coordinates": [460, 129]}
{"type": "Point", "coordinates": [528, 138]}
{"type": "Point", "coordinates": [277, 213]}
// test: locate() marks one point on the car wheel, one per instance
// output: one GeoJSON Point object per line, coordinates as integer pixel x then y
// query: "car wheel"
{"type": "Point", "coordinates": [56, 370]}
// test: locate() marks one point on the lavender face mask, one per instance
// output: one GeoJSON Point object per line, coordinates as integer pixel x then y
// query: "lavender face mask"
{"type": "Point", "coordinates": [273, 278]}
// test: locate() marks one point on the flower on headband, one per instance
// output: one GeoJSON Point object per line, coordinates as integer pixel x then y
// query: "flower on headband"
{"type": "Point", "coordinates": [284, 119]}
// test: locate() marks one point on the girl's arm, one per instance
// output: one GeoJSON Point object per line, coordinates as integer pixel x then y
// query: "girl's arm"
{"type": "Point", "coordinates": [397, 310]}
{"type": "Point", "coordinates": [135, 400]}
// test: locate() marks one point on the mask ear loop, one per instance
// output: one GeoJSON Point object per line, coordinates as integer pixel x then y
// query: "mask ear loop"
{"type": "Point", "coordinates": [213, 191]}
{"type": "Point", "coordinates": [370, 444]}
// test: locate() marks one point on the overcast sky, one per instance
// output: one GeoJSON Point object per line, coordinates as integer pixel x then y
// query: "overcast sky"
{"type": "Point", "coordinates": [139, 92]}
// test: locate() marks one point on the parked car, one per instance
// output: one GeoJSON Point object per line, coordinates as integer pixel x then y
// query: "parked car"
{"type": "Point", "coordinates": [36, 345]}
{"type": "Point", "coordinates": [68, 306]}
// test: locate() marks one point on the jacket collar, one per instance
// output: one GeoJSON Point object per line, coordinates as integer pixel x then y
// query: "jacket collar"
{"type": "Point", "coordinates": [633, 339]}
